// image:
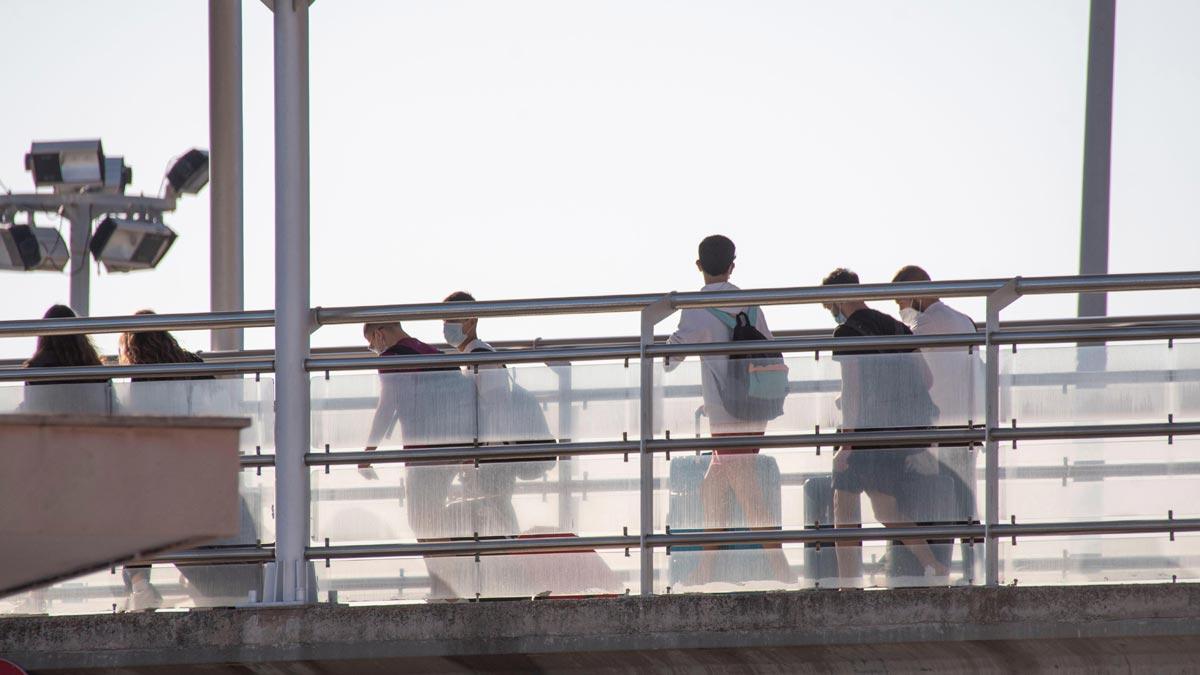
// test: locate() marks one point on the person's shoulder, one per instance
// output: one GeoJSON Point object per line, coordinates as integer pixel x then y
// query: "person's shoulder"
{"type": "Point", "coordinates": [400, 349]}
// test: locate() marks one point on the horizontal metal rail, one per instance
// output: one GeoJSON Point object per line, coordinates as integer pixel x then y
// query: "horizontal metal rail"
{"type": "Point", "coordinates": [137, 322]}
{"type": "Point", "coordinates": [882, 438]}
{"type": "Point", "coordinates": [632, 340]}
{"type": "Point", "coordinates": [458, 547]}
{"type": "Point", "coordinates": [606, 304]}
{"type": "Point", "coordinates": [214, 555]}
{"type": "Point", "coordinates": [166, 371]}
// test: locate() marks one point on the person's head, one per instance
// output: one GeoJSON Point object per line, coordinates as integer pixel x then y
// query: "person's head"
{"type": "Point", "coordinates": [382, 335]}
{"type": "Point", "coordinates": [152, 346]}
{"type": "Point", "coordinates": [460, 332]}
{"type": "Point", "coordinates": [913, 273]}
{"type": "Point", "coordinates": [841, 310]}
{"type": "Point", "coordinates": [63, 350]}
{"type": "Point", "coordinates": [715, 261]}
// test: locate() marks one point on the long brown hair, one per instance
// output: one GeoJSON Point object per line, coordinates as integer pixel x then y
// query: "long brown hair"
{"type": "Point", "coordinates": [153, 346]}
{"type": "Point", "coordinates": [63, 350]}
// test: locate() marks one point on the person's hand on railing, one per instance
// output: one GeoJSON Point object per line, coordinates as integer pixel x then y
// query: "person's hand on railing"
{"type": "Point", "coordinates": [365, 469]}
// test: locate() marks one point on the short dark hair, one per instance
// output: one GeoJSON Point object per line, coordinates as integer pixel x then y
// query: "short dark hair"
{"type": "Point", "coordinates": [459, 296]}
{"type": "Point", "coordinates": [911, 273]}
{"type": "Point", "coordinates": [716, 254]}
{"type": "Point", "coordinates": [840, 276]}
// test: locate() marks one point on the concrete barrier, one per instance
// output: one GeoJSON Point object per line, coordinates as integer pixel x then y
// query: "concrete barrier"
{"type": "Point", "coordinates": [1122, 628]}
{"type": "Point", "coordinates": [81, 493]}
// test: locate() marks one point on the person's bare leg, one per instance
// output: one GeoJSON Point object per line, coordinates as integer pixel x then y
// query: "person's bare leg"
{"type": "Point", "coordinates": [714, 489]}
{"type": "Point", "coordinates": [847, 512]}
{"type": "Point", "coordinates": [889, 514]}
{"type": "Point", "coordinates": [749, 494]}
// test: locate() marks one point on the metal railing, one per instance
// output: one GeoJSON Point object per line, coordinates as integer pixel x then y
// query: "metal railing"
{"type": "Point", "coordinates": [644, 350]}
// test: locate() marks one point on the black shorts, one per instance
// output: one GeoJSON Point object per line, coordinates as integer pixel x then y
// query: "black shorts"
{"type": "Point", "coordinates": [875, 469]}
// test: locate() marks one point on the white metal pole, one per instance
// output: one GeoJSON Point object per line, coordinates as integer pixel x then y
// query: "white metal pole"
{"type": "Point", "coordinates": [291, 300]}
{"type": "Point", "coordinates": [650, 316]}
{"type": "Point", "coordinates": [998, 300]}
{"type": "Point", "coordinates": [225, 165]}
{"type": "Point", "coordinates": [80, 265]}
{"type": "Point", "coordinates": [1097, 152]}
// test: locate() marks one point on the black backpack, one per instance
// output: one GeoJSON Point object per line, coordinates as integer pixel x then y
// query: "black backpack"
{"type": "Point", "coordinates": [756, 384]}
{"type": "Point", "coordinates": [906, 384]}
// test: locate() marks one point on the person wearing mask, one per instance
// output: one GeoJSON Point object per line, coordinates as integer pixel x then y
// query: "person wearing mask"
{"type": "Point", "coordinates": [489, 489]}
{"type": "Point", "coordinates": [429, 403]}
{"type": "Point", "coordinates": [878, 392]}
{"type": "Point", "coordinates": [731, 471]}
{"type": "Point", "coordinates": [204, 581]}
{"type": "Point", "coordinates": [951, 388]}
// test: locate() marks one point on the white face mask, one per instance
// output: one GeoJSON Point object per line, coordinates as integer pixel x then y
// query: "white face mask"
{"type": "Point", "coordinates": [453, 332]}
{"type": "Point", "coordinates": [909, 316]}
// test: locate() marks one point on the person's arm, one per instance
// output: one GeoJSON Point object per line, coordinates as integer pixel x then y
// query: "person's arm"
{"type": "Point", "coordinates": [386, 411]}
{"type": "Point", "coordinates": [690, 330]}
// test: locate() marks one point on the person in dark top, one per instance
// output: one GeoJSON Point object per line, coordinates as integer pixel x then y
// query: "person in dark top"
{"type": "Point", "coordinates": [881, 389]}
{"type": "Point", "coordinates": [89, 395]}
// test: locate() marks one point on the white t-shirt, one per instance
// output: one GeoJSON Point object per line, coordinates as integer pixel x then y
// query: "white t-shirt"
{"type": "Point", "coordinates": [951, 366]}
{"type": "Point", "coordinates": [699, 326]}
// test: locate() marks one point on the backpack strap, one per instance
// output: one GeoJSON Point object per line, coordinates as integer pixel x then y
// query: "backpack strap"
{"type": "Point", "coordinates": [726, 318]}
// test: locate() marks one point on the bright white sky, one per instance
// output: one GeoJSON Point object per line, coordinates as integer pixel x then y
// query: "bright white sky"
{"type": "Point", "coordinates": [550, 148]}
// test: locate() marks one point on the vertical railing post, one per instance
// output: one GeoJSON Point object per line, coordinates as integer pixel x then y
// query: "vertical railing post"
{"type": "Point", "coordinates": [996, 301]}
{"type": "Point", "coordinates": [566, 508]}
{"type": "Point", "coordinates": [292, 313]}
{"type": "Point", "coordinates": [651, 315]}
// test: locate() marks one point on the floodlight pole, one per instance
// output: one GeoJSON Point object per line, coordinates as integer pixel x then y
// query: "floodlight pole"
{"type": "Point", "coordinates": [80, 264]}
{"type": "Point", "coordinates": [80, 209]}
{"type": "Point", "coordinates": [226, 263]}
{"type": "Point", "coordinates": [1097, 152]}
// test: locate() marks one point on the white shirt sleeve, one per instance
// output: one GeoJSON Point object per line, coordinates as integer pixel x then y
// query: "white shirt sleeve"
{"type": "Point", "coordinates": [761, 325]}
{"type": "Point", "coordinates": [691, 330]}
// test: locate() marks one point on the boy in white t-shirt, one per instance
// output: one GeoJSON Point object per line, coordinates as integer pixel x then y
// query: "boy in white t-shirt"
{"type": "Point", "coordinates": [731, 471]}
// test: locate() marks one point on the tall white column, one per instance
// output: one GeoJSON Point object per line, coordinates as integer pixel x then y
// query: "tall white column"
{"type": "Point", "coordinates": [291, 299]}
{"type": "Point", "coordinates": [225, 189]}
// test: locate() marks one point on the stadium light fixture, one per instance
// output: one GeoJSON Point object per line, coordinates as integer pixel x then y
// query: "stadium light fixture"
{"type": "Point", "coordinates": [30, 248]}
{"type": "Point", "coordinates": [125, 244]}
{"type": "Point", "coordinates": [189, 173]}
{"type": "Point", "coordinates": [117, 176]}
{"type": "Point", "coordinates": [66, 164]}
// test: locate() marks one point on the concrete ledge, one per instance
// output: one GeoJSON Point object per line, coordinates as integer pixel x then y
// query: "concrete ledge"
{"type": "Point", "coordinates": [945, 628]}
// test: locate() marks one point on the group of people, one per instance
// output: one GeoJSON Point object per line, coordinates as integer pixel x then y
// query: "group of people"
{"type": "Point", "coordinates": [880, 389]}
{"type": "Point", "coordinates": [900, 392]}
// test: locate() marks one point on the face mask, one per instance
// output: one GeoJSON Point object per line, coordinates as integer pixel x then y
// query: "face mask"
{"type": "Point", "coordinates": [376, 350]}
{"type": "Point", "coordinates": [838, 316]}
{"type": "Point", "coordinates": [909, 316]}
{"type": "Point", "coordinates": [453, 332]}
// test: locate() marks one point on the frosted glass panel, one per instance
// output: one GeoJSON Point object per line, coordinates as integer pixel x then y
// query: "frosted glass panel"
{"type": "Point", "coordinates": [214, 397]}
{"type": "Point", "coordinates": [868, 391]}
{"type": "Point", "coordinates": [588, 573]}
{"type": "Point", "coordinates": [94, 398]}
{"type": "Point", "coordinates": [751, 567]}
{"type": "Point", "coordinates": [159, 587]}
{"type": "Point", "coordinates": [1100, 479]}
{"type": "Point", "coordinates": [580, 496]}
{"type": "Point", "coordinates": [1040, 561]}
{"type": "Point", "coordinates": [456, 407]}
{"type": "Point", "coordinates": [1098, 384]}
{"type": "Point", "coordinates": [793, 488]}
